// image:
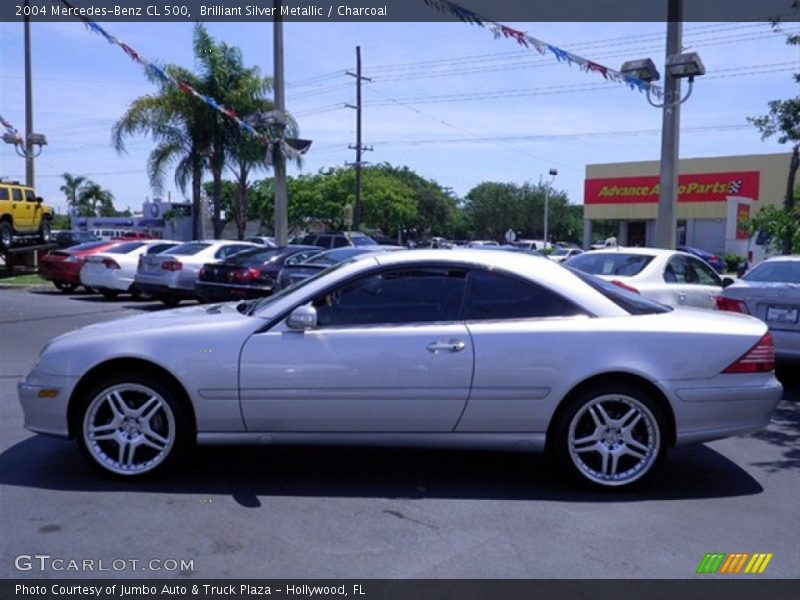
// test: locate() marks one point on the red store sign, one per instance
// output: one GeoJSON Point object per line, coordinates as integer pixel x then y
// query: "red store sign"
{"type": "Point", "coordinates": [704, 187]}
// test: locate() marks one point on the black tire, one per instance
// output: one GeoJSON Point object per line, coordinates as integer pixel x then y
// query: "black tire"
{"type": "Point", "coordinates": [109, 294]}
{"type": "Point", "coordinates": [65, 287]}
{"type": "Point", "coordinates": [591, 461]}
{"type": "Point", "coordinates": [6, 235]}
{"type": "Point", "coordinates": [44, 232]}
{"type": "Point", "coordinates": [170, 301]}
{"type": "Point", "coordinates": [170, 420]}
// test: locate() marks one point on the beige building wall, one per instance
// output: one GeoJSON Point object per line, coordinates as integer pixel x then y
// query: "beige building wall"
{"type": "Point", "coordinates": [774, 169]}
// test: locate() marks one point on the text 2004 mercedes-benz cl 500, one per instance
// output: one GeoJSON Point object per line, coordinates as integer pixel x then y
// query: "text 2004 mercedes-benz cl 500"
{"type": "Point", "coordinates": [462, 348]}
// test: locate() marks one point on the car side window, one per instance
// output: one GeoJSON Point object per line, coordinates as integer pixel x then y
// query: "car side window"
{"type": "Point", "coordinates": [30, 196]}
{"type": "Point", "coordinates": [325, 241]}
{"type": "Point", "coordinates": [394, 297]}
{"type": "Point", "coordinates": [227, 251]}
{"type": "Point", "coordinates": [703, 274]}
{"type": "Point", "coordinates": [498, 296]}
{"type": "Point", "coordinates": [16, 194]}
{"type": "Point", "coordinates": [340, 241]}
{"type": "Point", "coordinates": [677, 271]}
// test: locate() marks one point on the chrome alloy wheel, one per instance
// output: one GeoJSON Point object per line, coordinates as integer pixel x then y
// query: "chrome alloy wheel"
{"type": "Point", "coordinates": [129, 429]}
{"type": "Point", "coordinates": [614, 439]}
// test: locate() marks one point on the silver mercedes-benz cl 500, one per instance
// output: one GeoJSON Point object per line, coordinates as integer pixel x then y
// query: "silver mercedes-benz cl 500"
{"type": "Point", "coordinates": [436, 348]}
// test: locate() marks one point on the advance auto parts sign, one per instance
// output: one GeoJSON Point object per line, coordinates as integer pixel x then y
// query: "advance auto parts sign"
{"type": "Point", "coordinates": [704, 187]}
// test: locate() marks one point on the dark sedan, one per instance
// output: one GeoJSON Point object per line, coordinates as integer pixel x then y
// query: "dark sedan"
{"type": "Point", "coordinates": [248, 274]}
{"type": "Point", "coordinates": [717, 262]}
{"type": "Point", "coordinates": [295, 270]}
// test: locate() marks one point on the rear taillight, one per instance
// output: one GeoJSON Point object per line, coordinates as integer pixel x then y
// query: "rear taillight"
{"type": "Point", "coordinates": [625, 286]}
{"type": "Point", "coordinates": [110, 263]}
{"type": "Point", "coordinates": [760, 358]}
{"type": "Point", "coordinates": [172, 265]}
{"type": "Point", "coordinates": [731, 305]}
{"type": "Point", "coordinates": [246, 274]}
{"type": "Point", "coordinates": [202, 273]}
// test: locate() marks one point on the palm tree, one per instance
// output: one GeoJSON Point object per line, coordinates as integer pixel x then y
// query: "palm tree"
{"type": "Point", "coordinates": [71, 188]}
{"type": "Point", "coordinates": [96, 200]}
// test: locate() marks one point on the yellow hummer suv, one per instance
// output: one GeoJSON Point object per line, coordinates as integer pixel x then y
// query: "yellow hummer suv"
{"type": "Point", "coordinates": [23, 215]}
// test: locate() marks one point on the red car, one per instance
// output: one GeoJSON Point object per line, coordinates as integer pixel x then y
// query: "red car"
{"type": "Point", "coordinates": [63, 267]}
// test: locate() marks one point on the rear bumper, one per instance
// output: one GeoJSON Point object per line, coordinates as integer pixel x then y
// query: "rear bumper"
{"type": "Point", "coordinates": [729, 404]}
{"type": "Point", "coordinates": [222, 292]}
{"type": "Point", "coordinates": [164, 291]}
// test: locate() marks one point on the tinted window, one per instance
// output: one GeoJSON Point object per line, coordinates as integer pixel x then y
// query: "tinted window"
{"type": "Point", "coordinates": [189, 249]}
{"type": "Point", "coordinates": [498, 296]}
{"type": "Point", "coordinates": [689, 270]}
{"type": "Point", "coordinates": [325, 241]}
{"type": "Point", "coordinates": [16, 193]}
{"type": "Point", "coordinates": [157, 248]}
{"type": "Point", "coordinates": [778, 271]}
{"type": "Point", "coordinates": [407, 296]}
{"type": "Point", "coordinates": [704, 273]}
{"type": "Point", "coordinates": [362, 240]}
{"type": "Point", "coordinates": [125, 248]}
{"type": "Point", "coordinates": [230, 250]}
{"type": "Point", "coordinates": [632, 303]}
{"type": "Point", "coordinates": [340, 241]}
{"type": "Point", "coordinates": [30, 196]}
{"type": "Point", "coordinates": [4, 193]}
{"type": "Point", "coordinates": [254, 256]}
{"type": "Point", "coordinates": [611, 263]}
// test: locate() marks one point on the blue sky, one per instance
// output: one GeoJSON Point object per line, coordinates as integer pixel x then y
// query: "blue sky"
{"type": "Point", "coordinates": [437, 90]}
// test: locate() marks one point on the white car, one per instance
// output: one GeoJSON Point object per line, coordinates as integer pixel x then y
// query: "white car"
{"type": "Point", "coordinates": [666, 276]}
{"type": "Point", "coordinates": [421, 348]}
{"type": "Point", "coordinates": [112, 272]}
{"type": "Point", "coordinates": [562, 254]}
{"type": "Point", "coordinates": [170, 277]}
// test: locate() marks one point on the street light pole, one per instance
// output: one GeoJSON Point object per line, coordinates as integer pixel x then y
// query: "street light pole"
{"type": "Point", "coordinates": [29, 149]}
{"type": "Point", "coordinates": [279, 160]}
{"type": "Point", "coordinates": [553, 173]}
{"type": "Point", "coordinates": [666, 220]}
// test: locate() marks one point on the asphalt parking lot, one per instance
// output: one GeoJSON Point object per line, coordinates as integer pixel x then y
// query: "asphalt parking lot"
{"type": "Point", "coordinates": [268, 512]}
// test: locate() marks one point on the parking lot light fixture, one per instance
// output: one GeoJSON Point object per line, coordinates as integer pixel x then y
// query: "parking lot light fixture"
{"type": "Point", "coordinates": [643, 69]}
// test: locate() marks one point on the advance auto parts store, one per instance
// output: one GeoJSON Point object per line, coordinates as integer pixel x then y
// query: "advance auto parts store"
{"type": "Point", "coordinates": [715, 196]}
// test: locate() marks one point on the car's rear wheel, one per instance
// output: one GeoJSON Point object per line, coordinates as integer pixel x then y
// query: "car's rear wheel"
{"type": "Point", "coordinates": [170, 301]}
{"type": "Point", "coordinates": [65, 287]}
{"type": "Point", "coordinates": [610, 436]}
{"type": "Point", "coordinates": [6, 235]}
{"type": "Point", "coordinates": [133, 426]}
{"type": "Point", "coordinates": [109, 294]}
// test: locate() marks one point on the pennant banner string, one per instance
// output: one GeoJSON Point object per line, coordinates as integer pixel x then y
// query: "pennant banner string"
{"type": "Point", "coordinates": [164, 76]}
{"type": "Point", "coordinates": [523, 39]}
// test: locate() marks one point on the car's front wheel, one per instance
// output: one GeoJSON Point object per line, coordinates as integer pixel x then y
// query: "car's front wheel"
{"type": "Point", "coordinates": [610, 436]}
{"type": "Point", "coordinates": [133, 426]}
{"type": "Point", "coordinates": [44, 232]}
{"type": "Point", "coordinates": [6, 235]}
{"type": "Point", "coordinates": [65, 287]}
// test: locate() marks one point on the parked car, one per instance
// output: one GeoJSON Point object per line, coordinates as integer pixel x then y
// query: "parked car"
{"type": "Point", "coordinates": [561, 254]}
{"type": "Point", "coordinates": [771, 292]}
{"type": "Point", "coordinates": [530, 244]}
{"type": "Point", "coordinates": [338, 239]}
{"type": "Point", "coordinates": [441, 348]}
{"type": "Point", "coordinates": [716, 261]}
{"type": "Point", "coordinates": [670, 277]}
{"type": "Point", "coordinates": [67, 239]}
{"type": "Point", "coordinates": [136, 235]}
{"type": "Point", "coordinates": [294, 271]}
{"type": "Point", "coordinates": [610, 242]}
{"type": "Point", "coordinates": [170, 277]}
{"type": "Point", "coordinates": [112, 272]}
{"type": "Point", "coordinates": [248, 274]}
{"type": "Point", "coordinates": [263, 240]}
{"type": "Point", "coordinates": [63, 267]}
{"type": "Point", "coordinates": [23, 215]}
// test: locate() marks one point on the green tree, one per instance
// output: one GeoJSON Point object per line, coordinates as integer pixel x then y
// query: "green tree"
{"type": "Point", "coordinates": [783, 121]}
{"type": "Point", "coordinates": [95, 200]}
{"type": "Point", "coordinates": [781, 224]}
{"type": "Point", "coordinates": [71, 188]}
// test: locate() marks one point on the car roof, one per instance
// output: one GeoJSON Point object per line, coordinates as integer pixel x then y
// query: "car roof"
{"type": "Point", "coordinates": [637, 250]}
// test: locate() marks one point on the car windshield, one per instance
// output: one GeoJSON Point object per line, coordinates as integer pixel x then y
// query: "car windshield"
{"type": "Point", "coordinates": [254, 256]}
{"type": "Point", "coordinates": [88, 246]}
{"type": "Point", "coordinates": [362, 240]}
{"type": "Point", "coordinates": [125, 248]}
{"type": "Point", "coordinates": [190, 248]}
{"type": "Point", "coordinates": [785, 271]}
{"type": "Point", "coordinates": [611, 263]}
{"type": "Point", "coordinates": [631, 302]}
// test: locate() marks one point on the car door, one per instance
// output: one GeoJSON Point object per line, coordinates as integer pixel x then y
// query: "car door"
{"type": "Point", "coordinates": [704, 285]}
{"type": "Point", "coordinates": [677, 276]}
{"type": "Point", "coordinates": [389, 354]}
{"type": "Point", "coordinates": [21, 211]}
{"type": "Point", "coordinates": [525, 338]}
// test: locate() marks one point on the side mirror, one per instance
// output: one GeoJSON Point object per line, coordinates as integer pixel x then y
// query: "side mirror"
{"type": "Point", "coordinates": [39, 199]}
{"type": "Point", "coordinates": [302, 318]}
{"type": "Point", "coordinates": [727, 281]}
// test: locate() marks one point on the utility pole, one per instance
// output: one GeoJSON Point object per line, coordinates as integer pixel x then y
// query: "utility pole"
{"type": "Point", "coordinates": [359, 148]}
{"type": "Point", "coordinates": [279, 160]}
{"type": "Point", "coordinates": [29, 150]}
{"type": "Point", "coordinates": [670, 129]}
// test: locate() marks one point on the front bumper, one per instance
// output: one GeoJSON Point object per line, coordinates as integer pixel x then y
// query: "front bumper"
{"type": "Point", "coordinates": [42, 414]}
{"type": "Point", "coordinates": [726, 405]}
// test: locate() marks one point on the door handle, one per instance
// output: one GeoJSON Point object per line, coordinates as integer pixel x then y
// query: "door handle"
{"type": "Point", "coordinates": [449, 346]}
